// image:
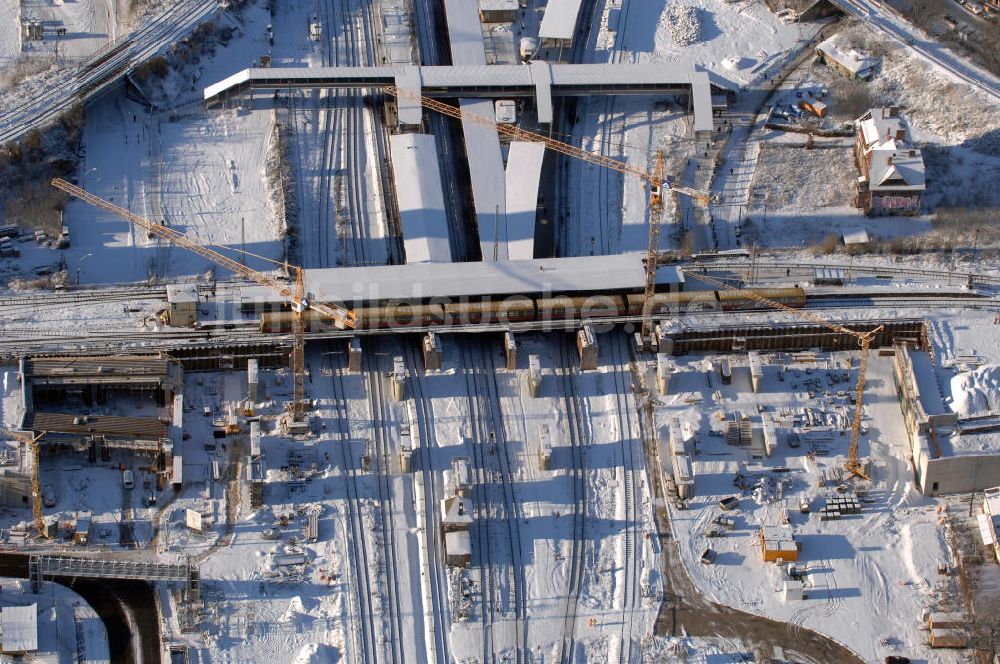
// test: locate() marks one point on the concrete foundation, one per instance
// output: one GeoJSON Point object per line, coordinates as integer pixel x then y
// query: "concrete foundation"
{"type": "Point", "coordinates": [664, 370]}
{"type": "Point", "coordinates": [510, 350]}
{"type": "Point", "coordinates": [354, 354]}
{"type": "Point", "coordinates": [586, 345]}
{"type": "Point", "coordinates": [534, 376]}
{"type": "Point", "coordinates": [432, 352]}
{"type": "Point", "coordinates": [398, 379]}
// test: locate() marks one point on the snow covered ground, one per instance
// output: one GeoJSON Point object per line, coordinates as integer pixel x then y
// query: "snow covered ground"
{"type": "Point", "coordinates": [68, 629]}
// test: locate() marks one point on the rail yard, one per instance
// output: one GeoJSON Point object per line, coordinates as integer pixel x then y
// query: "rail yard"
{"type": "Point", "coordinates": [498, 331]}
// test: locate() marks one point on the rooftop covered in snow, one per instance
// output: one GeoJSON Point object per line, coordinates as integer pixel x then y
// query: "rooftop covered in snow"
{"type": "Point", "coordinates": [540, 80]}
{"type": "Point", "coordinates": [420, 198]}
{"type": "Point", "coordinates": [559, 20]}
{"type": "Point", "coordinates": [420, 281]}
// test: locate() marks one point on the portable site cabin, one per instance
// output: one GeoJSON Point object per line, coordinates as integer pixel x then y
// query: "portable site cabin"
{"type": "Point", "coordinates": [458, 548]}
{"type": "Point", "coordinates": [777, 543]}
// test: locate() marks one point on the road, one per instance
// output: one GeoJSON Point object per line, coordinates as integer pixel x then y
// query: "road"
{"type": "Point", "coordinates": [73, 85]}
{"type": "Point", "coordinates": [881, 18]}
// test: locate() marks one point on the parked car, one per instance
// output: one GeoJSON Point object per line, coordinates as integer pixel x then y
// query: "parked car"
{"type": "Point", "coordinates": [794, 440]}
{"type": "Point", "coordinates": [897, 659]}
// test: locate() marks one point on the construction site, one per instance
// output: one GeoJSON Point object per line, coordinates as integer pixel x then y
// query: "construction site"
{"type": "Point", "coordinates": [414, 331]}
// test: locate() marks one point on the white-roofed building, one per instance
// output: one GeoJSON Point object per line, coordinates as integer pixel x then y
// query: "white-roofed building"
{"type": "Point", "coordinates": [559, 22]}
{"type": "Point", "coordinates": [892, 170]}
{"type": "Point", "coordinates": [19, 629]}
{"type": "Point", "coordinates": [420, 198]}
{"type": "Point", "coordinates": [498, 11]}
{"type": "Point", "coordinates": [847, 61]}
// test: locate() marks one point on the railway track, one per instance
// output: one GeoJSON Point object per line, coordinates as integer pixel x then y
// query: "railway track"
{"type": "Point", "coordinates": [75, 85]}
{"type": "Point", "coordinates": [381, 459]}
{"type": "Point", "coordinates": [498, 517]}
{"type": "Point", "coordinates": [575, 416]}
{"type": "Point", "coordinates": [437, 577]}
{"type": "Point", "coordinates": [363, 635]}
{"type": "Point", "coordinates": [629, 434]}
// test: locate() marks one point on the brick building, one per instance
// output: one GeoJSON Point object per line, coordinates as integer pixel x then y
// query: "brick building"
{"type": "Point", "coordinates": [891, 169]}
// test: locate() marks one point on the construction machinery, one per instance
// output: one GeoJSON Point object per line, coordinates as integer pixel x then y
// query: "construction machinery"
{"type": "Point", "coordinates": [31, 443]}
{"type": "Point", "coordinates": [342, 317]}
{"type": "Point", "coordinates": [853, 464]}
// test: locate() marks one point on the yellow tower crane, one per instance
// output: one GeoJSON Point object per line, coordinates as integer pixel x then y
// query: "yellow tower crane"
{"type": "Point", "coordinates": [343, 318]}
{"type": "Point", "coordinates": [655, 216]}
{"type": "Point", "coordinates": [31, 443]}
{"type": "Point", "coordinates": [853, 465]}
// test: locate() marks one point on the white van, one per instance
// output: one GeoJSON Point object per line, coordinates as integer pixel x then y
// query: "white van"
{"type": "Point", "coordinates": [128, 479]}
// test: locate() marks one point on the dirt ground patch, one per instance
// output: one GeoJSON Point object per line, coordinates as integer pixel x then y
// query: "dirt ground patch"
{"type": "Point", "coordinates": [795, 177]}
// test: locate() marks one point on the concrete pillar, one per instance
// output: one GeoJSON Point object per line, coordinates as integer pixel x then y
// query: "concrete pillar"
{"type": "Point", "coordinates": [432, 352]}
{"type": "Point", "coordinates": [544, 447]}
{"type": "Point", "coordinates": [586, 344]}
{"type": "Point", "coordinates": [398, 379]}
{"type": "Point", "coordinates": [664, 369]}
{"type": "Point", "coordinates": [534, 375]}
{"type": "Point", "coordinates": [510, 350]}
{"type": "Point", "coordinates": [253, 381]}
{"type": "Point", "coordinates": [354, 354]}
{"type": "Point", "coordinates": [405, 450]}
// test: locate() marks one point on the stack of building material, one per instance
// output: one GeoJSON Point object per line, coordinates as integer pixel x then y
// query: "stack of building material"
{"type": "Point", "coordinates": [838, 506]}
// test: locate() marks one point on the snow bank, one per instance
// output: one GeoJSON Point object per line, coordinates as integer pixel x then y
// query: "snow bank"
{"type": "Point", "coordinates": [682, 23]}
{"type": "Point", "coordinates": [977, 391]}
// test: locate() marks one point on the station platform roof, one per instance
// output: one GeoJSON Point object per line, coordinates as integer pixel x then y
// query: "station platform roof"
{"type": "Point", "coordinates": [420, 198]}
{"type": "Point", "coordinates": [583, 275]}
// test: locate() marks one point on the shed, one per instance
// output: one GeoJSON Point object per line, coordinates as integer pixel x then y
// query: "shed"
{"type": "Point", "coordinates": [497, 11]}
{"type": "Point", "coordinates": [793, 590]}
{"type": "Point", "coordinates": [683, 476]}
{"type": "Point", "coordinates": [182, 303]}
{"type": "Point", "coordinates": [559, 22]}
{"type": "Point", "coordinates": [176, 476]}
{"type": "Point", "coordinates": [829, 276]}
{"type": "Point", "coordinates": [19, 627]}
{"type": "Point", "coordinates": [777, 543]}
{"type": "Point", "coordinates": [81, 533]}
{"type": "Point", "coordinates": [458, 548]}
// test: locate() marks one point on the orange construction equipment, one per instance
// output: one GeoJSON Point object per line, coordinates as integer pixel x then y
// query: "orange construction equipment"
{"type": "Point", "coordinates": [864, 341]}
{"type": "Point", "coordinates": [342, 317]}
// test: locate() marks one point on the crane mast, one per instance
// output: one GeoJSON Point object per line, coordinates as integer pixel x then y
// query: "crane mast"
{"type": "Point", "coordinates": [655, 217]}
{"type": "Point", "coordinates": [853, 464]}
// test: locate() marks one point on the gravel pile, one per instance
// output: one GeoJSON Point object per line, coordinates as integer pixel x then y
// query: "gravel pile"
{"type": "Point", "coordinates": [684, 25]}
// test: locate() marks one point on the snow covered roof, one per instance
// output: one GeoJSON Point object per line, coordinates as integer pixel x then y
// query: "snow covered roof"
{"type": "Point", "coordinates": [894, 165]}
{"type": "Point", "coordinates": [880, 126]}
{"type": "Point", "coordinates": [498, 5]}
{"type": "Point", "coordinates": [854, 61]}
{"type": "Point", "coordinates": [465, 35]}
{"type": "Point", "coordinates": [458, 543]}
{"type": "Point", "coordinates": [418, 281]}
{"type": "Point", "coordinates": [857, 236]}
{"type": "Point", "coordinates": [486, 173]}
{"type": "Point", "coordinates": [523, 175]}
{"type": "Point", "coordinates": [455, 511]}
{"type": "Point", "coordinates": [559, 19]}
{"type": "Point", "coordinates": [19, 627]}
{"type": "Point", "coordinates": [896, 169]}
{"type": "Point", "coordinates": [420, 198]}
